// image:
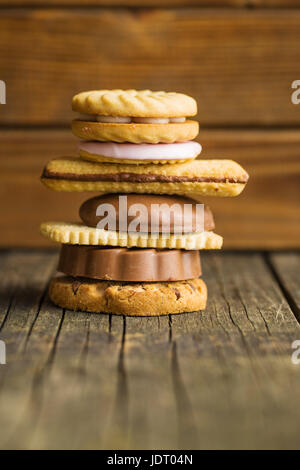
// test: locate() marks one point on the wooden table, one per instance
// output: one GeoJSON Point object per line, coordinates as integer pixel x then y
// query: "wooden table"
{"type": "Point", "coordinates": [222, 378]}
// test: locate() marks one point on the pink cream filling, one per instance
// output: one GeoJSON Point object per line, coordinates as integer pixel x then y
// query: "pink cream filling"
{"type": "Point", "coordinates": [180, 150]}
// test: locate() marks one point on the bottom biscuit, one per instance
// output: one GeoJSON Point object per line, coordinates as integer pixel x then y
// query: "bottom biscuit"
{"type": "Point", "coordinates": [133, 299]}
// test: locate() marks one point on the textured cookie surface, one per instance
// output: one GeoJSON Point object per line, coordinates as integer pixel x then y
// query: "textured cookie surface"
{"type": "Point", "coordinates": [136, 133]}
{"type": "Point", "coordinates": [204, 177]}
{"type": "Point", "coordinates": [134, 299]}
{"type": "Point", "coordinates": [79, 234]}
{"type": "Point", "coordinates": [139, 103]}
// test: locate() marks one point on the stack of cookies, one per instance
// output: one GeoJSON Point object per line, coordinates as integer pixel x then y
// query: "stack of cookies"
{"type": "Point", "coordinates": [136, 249]}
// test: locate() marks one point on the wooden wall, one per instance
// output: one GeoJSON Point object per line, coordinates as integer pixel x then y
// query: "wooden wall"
{"type": "Point", "coordinates": [238, 58]}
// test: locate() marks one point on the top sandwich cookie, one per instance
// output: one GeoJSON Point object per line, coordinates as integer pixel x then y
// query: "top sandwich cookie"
{"type": "Point", "coordinates": [134, 116]}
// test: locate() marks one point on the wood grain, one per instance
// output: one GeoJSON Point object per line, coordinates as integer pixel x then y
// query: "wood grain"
{"type": "Point", "coordinates": [156, 3]}
{"type": "Point", "coordinates": [286, 268]}
{"type": "Point", "coordinates": [238, 64]}
{"type": "Point", "coordinates": [266, 215]}
{"type": "Point", "coordinates": [236, 346]}
{"type": "Point", "coordinates": [213, 379]}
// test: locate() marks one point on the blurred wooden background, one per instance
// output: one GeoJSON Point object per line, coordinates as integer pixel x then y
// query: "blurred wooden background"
{"type": "Point", "coordinates": [238, 58]}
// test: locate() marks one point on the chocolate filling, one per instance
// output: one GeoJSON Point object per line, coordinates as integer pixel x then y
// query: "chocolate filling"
{"type": "Point", "coordinates": [141, 178]}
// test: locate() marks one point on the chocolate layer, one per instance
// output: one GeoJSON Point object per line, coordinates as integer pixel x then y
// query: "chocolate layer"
{"type": "Point", "coordinates": [180, 221]}
{"type": "Point", "coordinates": [139, 178]}
{"type": "Point", "coordinates": [129, 264]}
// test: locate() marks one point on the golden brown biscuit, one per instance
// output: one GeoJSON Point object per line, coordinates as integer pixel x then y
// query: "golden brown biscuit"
{"type": "Point", "coordinates": [136, 133]}
{"type": "Point", "coordinates": [139, 103]}
{"type": "Point", "coordinates": [79, 234]}
{"type": "Point", "coordinates": [199, 177]}
{"type": "Point", "coordinates": [133, 299]}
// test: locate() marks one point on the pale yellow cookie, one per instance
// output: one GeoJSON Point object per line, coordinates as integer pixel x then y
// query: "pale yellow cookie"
{"type": "Point", "coordinates": [132, 299]}
{"type": "Point", "coordinates": [80, 234]}
{"type": "Point", "coordinates": [136, 133]}
{"type": "Point", "coordinates": [137, 103]}
{"type": "Point", "coordinates": [199, 177]}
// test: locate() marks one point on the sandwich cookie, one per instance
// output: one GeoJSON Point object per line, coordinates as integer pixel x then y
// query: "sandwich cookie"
{"type": "Point", "coordinates": [139, 154]}
{"type": "Point", "coordinates": [200, 177]}
{"type": "Point", "coordinates": [132, 299]}
{"type": "Point", "coordinates": [129, 264]}
{"type": "Point", "coordinates": [134, 116]}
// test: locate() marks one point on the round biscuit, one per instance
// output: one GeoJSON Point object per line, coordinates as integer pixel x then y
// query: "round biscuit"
{"type": "Point", "coordinates": [132, 299]}
{"type": "Point", "coordinates": [136, 133]}
{"type": "Point", "coordinates": [134, 103]}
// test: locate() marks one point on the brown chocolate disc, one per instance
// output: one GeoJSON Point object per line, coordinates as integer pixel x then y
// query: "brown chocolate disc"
{"type": "Point", "coordinates": [129, 264]}
{"type": "Point", "coordinates": [153, 215]}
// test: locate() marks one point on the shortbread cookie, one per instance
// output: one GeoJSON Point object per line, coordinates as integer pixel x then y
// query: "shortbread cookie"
{"type": "Point", "coordinates": [139, 103]}
{"type": "Point", "coordinates": [129, 264]}
{"type": "Point", "coordinates": [146, 213]}
{"type": "Point", "coordinates": [199, 177]}
{"type": "Point", "coordinates": [135, 154]}
{"type": "Point", "coordinates": [142, 299]}
{"type": "Point", "coordinates": [135, 132]}
{"type": "Point", "coordinates": [79, 234]}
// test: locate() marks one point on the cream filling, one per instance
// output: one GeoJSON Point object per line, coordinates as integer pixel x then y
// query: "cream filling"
{"type": "Point", "coordinates": [127, 151]}
{"type": "Point", "coordinates": [147, 120]}
{"type": "Point", "coordinates": [128, 120]}
{"type": "Point", "coordinates": [114, 119]}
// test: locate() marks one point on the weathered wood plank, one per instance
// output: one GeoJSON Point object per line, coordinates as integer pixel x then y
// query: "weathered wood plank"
{"type": "Point", "coordinates": [270, 157]}
{"type": "Point", "coordinates": [237, 401]}
{"type": "Point", "coordinates": [245, 286]}
{"type": "Point", "coordinates": [215, 379]}
{"type": "Point", "coordinates": [238, 64]}
{"type": "Point", "coordinates": [7, 288]}
{"type": "Point", "coordinates": [286, 268]}
{"type": "Point", "coordinates": [235, 358]}
{"type": "Point", "coordinates": [68, 399]}
{"type": "Point", "coordinates": [26, 276]}
{"type": "Point", "coordinates": [52, 357]}
{"type": "Point", "coordinates": [149, 378]}
{"type": "Point", "coordinates": [79, 386]}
